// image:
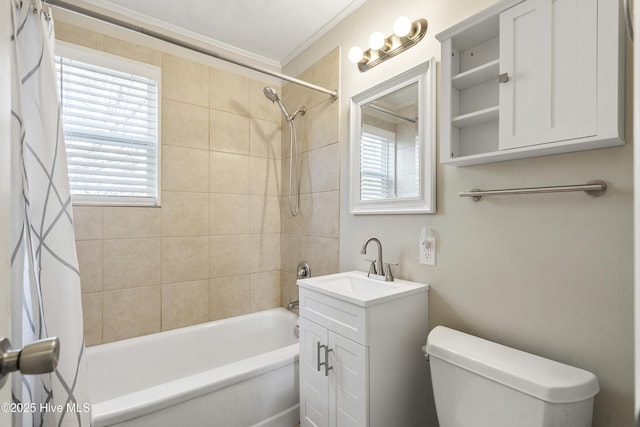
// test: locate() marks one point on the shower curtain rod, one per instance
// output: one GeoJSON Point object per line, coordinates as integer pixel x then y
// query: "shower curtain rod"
{"type": "Point", "coordinates": [184, 44]}
{"type": "Point", "coordinates": [390, 113]}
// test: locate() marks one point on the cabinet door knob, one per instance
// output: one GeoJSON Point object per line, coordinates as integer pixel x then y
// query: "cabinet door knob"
{"type": "Point", "coordinates": [503, 78]}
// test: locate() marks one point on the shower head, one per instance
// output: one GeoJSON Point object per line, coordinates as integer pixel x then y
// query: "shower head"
{"type": "Point", "coordinates": [272, 96]}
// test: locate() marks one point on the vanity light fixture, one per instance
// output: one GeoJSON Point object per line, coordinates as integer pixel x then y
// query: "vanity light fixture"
{"type": "Point", "coordinates": [405, 35]}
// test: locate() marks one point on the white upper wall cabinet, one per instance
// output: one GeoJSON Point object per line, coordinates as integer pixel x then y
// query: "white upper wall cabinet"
{"type": "Point", "coordinates": [530, 78]}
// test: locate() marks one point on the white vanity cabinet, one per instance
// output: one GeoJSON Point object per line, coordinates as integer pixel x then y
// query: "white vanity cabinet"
{"type": "Point", "coordinates": [332, 369]}
{"type": "Point", "coordinates": [361, 362]}
{"type": "Point", "coordinates": [527, 78]}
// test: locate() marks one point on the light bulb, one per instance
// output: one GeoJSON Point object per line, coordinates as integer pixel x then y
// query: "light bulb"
{"type": "Point", "coordinates": [402, 26]}
{"type": "Point", "coordinates": [355, 54]}
{"type": "Point", "coordinates": [376, 40]}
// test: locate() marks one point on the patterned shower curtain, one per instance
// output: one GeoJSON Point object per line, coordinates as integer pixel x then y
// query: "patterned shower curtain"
{"type": "Point", "coordinates": [46, 281]}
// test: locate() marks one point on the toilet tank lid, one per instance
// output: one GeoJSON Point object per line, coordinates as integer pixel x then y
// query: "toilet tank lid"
{"type": "Point", "coordinates": [536, 376]}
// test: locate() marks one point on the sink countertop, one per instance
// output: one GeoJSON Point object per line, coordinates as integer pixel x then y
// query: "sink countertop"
{"type": "Point", "coordinates": [356, 288]}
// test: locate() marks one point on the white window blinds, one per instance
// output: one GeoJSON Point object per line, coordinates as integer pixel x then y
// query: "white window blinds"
{"type": "Point", "coordinates": [110, 119]}
{"type": "Point", "coordinates": [377, 164]}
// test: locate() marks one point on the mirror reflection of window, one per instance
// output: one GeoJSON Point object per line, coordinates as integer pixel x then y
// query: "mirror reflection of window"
{"type": "Point", "coordinates": [377, 163]}
{"type": "Point", "coordinates": [390, 146]}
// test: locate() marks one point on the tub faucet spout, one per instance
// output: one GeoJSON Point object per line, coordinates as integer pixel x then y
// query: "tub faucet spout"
{"type": "Point", "coordinates": [293, 305]}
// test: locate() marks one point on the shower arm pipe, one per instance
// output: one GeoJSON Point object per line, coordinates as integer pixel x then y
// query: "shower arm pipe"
{"type": "Point", "coordinates": [175, 41]}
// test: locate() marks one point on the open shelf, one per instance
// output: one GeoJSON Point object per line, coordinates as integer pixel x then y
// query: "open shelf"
{"type": "Point", "coordinates": [476, 117]}
{"type": "Point", "coordinates": [477, 75]}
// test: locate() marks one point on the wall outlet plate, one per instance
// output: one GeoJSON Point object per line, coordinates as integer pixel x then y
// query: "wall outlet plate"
{"type": "Point", "coordinates": [428, 251]}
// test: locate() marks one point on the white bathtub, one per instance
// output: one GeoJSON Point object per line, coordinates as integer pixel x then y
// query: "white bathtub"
{"type": "Point", "coordinates": [241, 371]}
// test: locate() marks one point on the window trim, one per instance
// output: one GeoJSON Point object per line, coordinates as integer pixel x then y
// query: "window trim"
{"type": "Point", "coordinates": [126, 65]}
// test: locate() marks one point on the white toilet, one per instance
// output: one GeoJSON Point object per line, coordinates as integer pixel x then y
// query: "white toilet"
{"type": "Point", "coordinates": [478, 383]}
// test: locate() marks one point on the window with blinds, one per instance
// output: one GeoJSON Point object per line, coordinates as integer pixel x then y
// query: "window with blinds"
{"type": "Point", "coordinates": [110, 119]}
{"type": "Point", "coordinates": [377, 164]}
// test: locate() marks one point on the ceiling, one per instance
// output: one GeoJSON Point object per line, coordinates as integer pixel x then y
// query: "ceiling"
{"type": "Point", "coordinates": [274, 31]}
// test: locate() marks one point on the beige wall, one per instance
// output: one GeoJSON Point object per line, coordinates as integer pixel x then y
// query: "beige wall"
{"type": "Point", "coordinates": [549, 274]}
{"type": "Point", "coordinates": [213, 249]}
{"type": "Point", "coordinates": [312, 235]}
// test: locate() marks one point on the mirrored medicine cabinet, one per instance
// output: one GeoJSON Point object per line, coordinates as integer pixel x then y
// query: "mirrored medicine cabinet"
{"type": "Point", "coordinates": [393, 139]}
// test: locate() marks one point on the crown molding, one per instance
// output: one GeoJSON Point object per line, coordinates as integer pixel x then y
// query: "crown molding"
{"type": "Point", "coordinates": [322, 31]}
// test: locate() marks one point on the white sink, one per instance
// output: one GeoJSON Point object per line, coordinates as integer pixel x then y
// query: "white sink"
{"type": "Point", "coordinates": [355, 287]}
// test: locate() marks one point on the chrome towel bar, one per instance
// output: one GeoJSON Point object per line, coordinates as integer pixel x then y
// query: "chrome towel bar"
{"type": "Point", "coordinates": [593, 188]}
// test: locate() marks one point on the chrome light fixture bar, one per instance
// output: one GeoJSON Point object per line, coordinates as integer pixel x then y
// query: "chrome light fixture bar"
{"type": "Point", "coordinates": [406, 34]}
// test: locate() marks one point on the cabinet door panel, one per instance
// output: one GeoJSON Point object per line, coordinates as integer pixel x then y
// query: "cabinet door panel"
{"type": "Point", "coordinates": [525, 97]}
{"type": "Point", "coordinates": [574, 68]}
{"type": "Point", "coordinates": [314, 393]}
{"type": "Point", "coordinates": [348, 382]}
{"type": "Point", "coordinates": [549, 50]}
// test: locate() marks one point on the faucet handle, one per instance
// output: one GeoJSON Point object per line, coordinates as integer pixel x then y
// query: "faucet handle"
{"type": "Point", "coordinates": [388, 277]}
{"type": "Point", "coordinates": [372, 267]}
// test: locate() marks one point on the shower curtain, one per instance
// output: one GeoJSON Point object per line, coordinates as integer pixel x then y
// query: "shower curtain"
{"type": "Point", "coordinates": [45, 277]}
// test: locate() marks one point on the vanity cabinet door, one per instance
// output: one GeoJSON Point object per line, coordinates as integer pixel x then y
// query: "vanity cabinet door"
{"type": "Point", "coordinates": [548, 50]}
{"type": "Point", "coordinates": [348, 382]}
{"type": "Point", "coordinates": [314, 385]}
{"type": "Point", "coordinates": [335, 395]}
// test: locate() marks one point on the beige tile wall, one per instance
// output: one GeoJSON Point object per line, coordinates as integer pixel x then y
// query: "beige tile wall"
{"type": "Point", "coordinates": [213, 249]}
{"type": "Point", "coordinates": [312, 235]}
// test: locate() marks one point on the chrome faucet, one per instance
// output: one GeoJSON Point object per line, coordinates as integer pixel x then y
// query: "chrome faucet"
{"type": "Point", "coordinates": [378, 272]}
{"type": "Point", "coordinates": [373, 269]}
{"type": "Point", "coordinates": [293, 305]}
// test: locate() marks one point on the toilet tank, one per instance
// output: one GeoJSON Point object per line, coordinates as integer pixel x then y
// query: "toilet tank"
{"type": "Point", "coordinates": [479, 383]}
